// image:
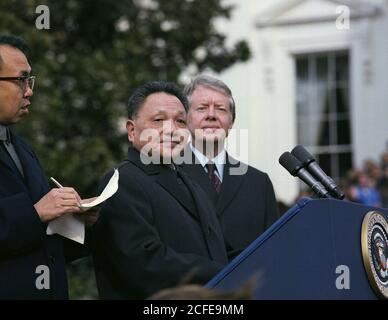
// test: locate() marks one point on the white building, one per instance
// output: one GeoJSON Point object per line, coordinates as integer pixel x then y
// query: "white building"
{"type": "Point", "coordinates": [315, 78]}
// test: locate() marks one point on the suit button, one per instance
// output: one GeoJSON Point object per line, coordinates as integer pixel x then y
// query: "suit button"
{"type": "Point", "coordinates": [52, 259]}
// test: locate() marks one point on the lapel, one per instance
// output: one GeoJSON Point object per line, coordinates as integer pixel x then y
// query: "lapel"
{"type": "Point", "coordinates": [214, 238]}
{"type": "Point", "coordinates": [34, 177]}
{"type": "Point", "coordinates": [230, 184]}
{"type": "Point", "coordinates": [201, 211]}
{"type": "Point", "coordinates": [7, 162]}
{"type": "Point", "coordinates": [194, 169]}
{"type": "Point", "coordinates": [168, 179]}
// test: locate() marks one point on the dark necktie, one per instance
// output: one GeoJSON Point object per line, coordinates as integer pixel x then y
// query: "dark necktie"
{"type": "Point", "coordinates": [8, 148]}
{"type": "Point", "coordinates": [211, 171]}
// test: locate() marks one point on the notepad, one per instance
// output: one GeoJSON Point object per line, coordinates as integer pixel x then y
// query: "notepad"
{"type": "Point", "coordinates": [72, 228]}
{"type": "Point", "coordinates": [108, 191]}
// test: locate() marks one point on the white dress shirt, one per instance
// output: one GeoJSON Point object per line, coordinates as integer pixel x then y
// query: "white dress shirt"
{"type": "Point", "coordinates": [219, 160]}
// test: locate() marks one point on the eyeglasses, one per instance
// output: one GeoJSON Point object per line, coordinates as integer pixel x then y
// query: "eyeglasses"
{"type": "Point", "coordinates": [23, 81]}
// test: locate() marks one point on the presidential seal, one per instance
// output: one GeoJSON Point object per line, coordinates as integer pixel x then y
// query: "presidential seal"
{"type": "Point", "coordinates": [374, 244]}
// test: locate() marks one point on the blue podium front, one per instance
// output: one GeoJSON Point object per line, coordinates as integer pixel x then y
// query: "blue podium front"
{"type": "Point", "coordinates": [312, 252]}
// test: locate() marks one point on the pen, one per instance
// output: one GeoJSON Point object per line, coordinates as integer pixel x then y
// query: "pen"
{"type": "Point", "coordinates": [60, 186]}
{"type": "Point", "coordinates": [56, 182]}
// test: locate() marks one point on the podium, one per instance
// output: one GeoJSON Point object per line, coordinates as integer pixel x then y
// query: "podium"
{"type": "Point", "coordinates": [312, 252]}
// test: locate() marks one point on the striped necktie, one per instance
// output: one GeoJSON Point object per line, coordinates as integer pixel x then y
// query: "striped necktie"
{"type": "Point", "coordinates": [211, 171]}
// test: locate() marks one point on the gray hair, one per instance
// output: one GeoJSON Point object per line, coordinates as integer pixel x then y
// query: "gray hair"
{"type": "Point", "coordinates": [213, 83]}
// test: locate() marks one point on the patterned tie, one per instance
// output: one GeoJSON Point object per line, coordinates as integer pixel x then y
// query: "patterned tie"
{"type": "Point", "coordinates": [216, 182]}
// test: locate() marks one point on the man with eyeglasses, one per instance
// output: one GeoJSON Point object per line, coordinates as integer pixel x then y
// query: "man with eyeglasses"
{"type": "Point", "coordinates": [32, 264]}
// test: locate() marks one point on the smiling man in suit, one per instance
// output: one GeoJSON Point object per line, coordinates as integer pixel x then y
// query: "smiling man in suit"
{"type": "Point", "coordinates": [156, 231]}
{"type": "Point", "coordinates": [32, 264]}
{"type": "Point", "coordinates": [243, 196]}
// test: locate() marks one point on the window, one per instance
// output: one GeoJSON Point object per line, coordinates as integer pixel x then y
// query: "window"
{"type": "Point", "coordinates": [323, 110]}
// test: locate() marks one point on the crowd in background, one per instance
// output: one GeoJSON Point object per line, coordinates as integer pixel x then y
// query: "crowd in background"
{"type": "Point", "coordinates": [367, 185]}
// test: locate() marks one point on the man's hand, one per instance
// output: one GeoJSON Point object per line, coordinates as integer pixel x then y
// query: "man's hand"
{"type": "Point", "coordinates": [58, 202]}
{"type": "Point", "coordinates": [90, 216]}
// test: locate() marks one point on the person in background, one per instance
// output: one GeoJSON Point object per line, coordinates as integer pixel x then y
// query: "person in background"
{"type": "Point", "coordinates": [242, 196]}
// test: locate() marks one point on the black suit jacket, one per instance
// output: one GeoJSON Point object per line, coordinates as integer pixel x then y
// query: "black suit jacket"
{"type": "Point", "coordinates": [246, 205]}
{"type": "Point", "coordinates": [24, 244]}
{"type": "Point", "coordinates": [155, 232]}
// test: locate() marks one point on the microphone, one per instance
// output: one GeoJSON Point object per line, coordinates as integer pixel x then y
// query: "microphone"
{"type": "Point", "coordinates": [295, 167]}
{"type": "Point", "coordinates": [312, 166]}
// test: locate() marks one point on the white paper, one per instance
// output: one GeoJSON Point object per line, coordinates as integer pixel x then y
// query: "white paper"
{"type": "Point", "coordinates": [108, 191]}
{"type": "Point", "coordinates": [68, 226]}
{"type": "Point", "coordinates": [72, 228]}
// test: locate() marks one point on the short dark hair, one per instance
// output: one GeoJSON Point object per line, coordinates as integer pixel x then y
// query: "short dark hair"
{"type": "Point", "coordinates": [141, 93]}
{"type": "Point", "coordinates": [14, 42]}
